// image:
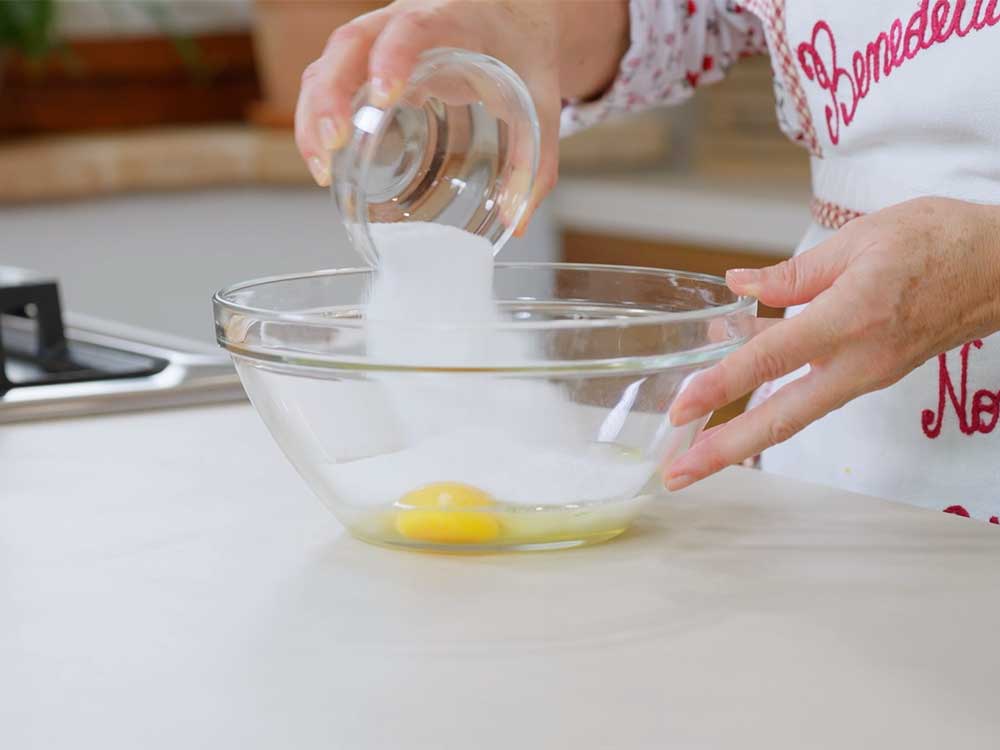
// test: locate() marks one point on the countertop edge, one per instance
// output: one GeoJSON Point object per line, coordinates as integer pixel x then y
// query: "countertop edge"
{"type": "Point", "coordinates": [652, 206]}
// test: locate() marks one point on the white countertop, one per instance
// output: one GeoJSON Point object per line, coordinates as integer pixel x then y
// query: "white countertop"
{"type": "Point", "coordinates": [765, 217]}
{"type": "Point", "coordinates": [166, 581]}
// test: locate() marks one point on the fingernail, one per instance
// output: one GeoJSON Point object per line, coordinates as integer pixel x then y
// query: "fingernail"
{"type": "Point", "coordinates": [331, 136]}
{"type": "Point", "coordinates": [522, 225]}
{"type": "Point", "coordinates": [679, 482]}
{"type": "Point", "coordinates": [745, 278]}
{"type": "Point", "coordinates": [680, 417]}
{"type": "Point", "coordinates": [384, 91]}
{"type": "Point", "coordinates": [515, 194]}
{"type": "Point", "coordinates": [685, 410]}
{"type": "Point", "coordinates": [319, 171]}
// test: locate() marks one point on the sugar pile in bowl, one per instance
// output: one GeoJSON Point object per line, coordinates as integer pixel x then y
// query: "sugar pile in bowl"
{"type": "Point", "coordinates": [520, 440]}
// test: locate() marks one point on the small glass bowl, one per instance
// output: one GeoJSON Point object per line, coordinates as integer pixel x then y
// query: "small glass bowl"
{"type": "Point", "coordinates": [555, 438]}
{"type": "Point", "coordinates": [460, 147]}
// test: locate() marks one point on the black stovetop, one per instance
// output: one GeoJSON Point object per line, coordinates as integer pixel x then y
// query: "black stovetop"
{"type": "Point", "coordinates": [34, 349]}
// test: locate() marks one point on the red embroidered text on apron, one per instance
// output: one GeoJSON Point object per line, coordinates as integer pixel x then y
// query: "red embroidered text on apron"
{"type": "Point", "coordinates": [903, 107]}
{"type": "Point", "coordinates": [927, 27]}
{"type": "Point", "coordinates": [978, 415]}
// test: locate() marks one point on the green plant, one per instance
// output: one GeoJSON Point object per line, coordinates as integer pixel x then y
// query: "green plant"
{"type": "Point", "coordinates": [28, 26]}
{"type": "Point", "coordinates": [158, 12]}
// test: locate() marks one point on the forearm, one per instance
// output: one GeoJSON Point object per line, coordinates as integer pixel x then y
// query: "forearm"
{"type": "Point", "coordinates": [593, 39]}
{"type": "Point", "coordinates": [987, 267]}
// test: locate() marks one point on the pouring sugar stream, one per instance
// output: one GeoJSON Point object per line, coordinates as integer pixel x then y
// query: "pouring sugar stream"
{"type": "Point", "coordinates": [432, 305]}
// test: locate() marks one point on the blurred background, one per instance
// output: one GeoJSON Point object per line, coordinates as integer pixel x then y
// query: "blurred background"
{"type": "Point", "coordinates": [146, 160]}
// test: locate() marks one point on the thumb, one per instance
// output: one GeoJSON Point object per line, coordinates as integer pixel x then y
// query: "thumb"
{"type": "Point", "coordinates": [795, 281]}
{"type": "Point", "coordinates": [549, 108]}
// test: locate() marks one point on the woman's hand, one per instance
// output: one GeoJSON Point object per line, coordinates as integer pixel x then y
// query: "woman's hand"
{"type": "Point", "coordinates": [560, 49]}
{"type": "Point", "coordinates": [887, 292]}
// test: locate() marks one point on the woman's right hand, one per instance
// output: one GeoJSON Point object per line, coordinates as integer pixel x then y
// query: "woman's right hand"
{"type": "Point", "coordinates": [560, 49]}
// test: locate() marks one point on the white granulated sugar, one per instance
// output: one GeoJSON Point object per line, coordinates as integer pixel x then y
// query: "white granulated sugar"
{"type": "Point", "coordinates": [431, 302]}
{"type": "Point", "coordinates": [522, 473]}
{"type": "Point", "coordinates": [522, 440]}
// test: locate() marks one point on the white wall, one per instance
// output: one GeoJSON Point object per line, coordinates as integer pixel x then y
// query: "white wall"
{"type": "Point", "coordinates": [155, 260]}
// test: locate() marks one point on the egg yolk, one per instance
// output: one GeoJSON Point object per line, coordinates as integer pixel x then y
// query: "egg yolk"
{"type": "Point", "coordinates": [447, 513]}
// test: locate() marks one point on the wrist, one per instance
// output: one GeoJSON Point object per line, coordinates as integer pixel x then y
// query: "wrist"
{"type": "Point", "coordinates": [992, 261]}
{"type": "Point", "coordinates": [985, 265]}
{"type": "Point", "coordinates": [593, 39]}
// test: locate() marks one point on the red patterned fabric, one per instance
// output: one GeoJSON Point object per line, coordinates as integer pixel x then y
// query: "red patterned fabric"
{"type": "Point", "coordinates": [830, 215]}
{"type": "Point", "coordinates": [957, 510]}
{"type": "Point", "coordinates": [676, 47]}
{"type": "Point", "coordinates": [772, 15]}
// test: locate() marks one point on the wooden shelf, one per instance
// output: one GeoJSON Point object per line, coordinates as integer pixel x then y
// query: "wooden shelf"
{"type": "Point", "coordinates": [125, 83]}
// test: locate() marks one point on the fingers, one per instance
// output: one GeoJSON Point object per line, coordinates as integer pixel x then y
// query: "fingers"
{"type": "Point", "coordinates": [721, 330]}
{"type": "Point", "coordinates": [323, 112]}
{"type": "Point", "coordinates": [386, 46]}
{"type": "Point", "coordinates": [783, 415]}
{"type": "Point", "coordinates": [706, 434]}
{"type": "Point", "coordinates": [548, 105]}
{"type": "Point", "coordinates": [776, 351]}
{"type": "Point", "coordinates": [398, 48]}
{"type": "Point", "coordinates": [794, 281]}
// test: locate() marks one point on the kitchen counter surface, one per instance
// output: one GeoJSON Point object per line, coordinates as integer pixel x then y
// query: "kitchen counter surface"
{"type": "Point", "coordinates": [769, 218]}
{"type": "Point", "coordinates": [167, 581]}
{"type": "Point", "coordinates": [745, 215]}
{"type": "Point", "coordinates": [88, 165]}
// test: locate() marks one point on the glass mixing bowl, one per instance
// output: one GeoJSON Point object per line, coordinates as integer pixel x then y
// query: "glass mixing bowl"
{"type": "Point", "coordinates": [553, 437]}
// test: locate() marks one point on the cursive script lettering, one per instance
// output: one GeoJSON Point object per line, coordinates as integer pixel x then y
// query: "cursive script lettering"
{"type": "Point", "coordinates": [978, 415]}
{"type": "Point", "coordinates": [846, 87]}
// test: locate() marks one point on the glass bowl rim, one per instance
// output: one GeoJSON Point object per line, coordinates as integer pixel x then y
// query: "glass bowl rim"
{"type": "Point", "coordinates": [740, 304]}
{"type": "Point", "coordinates": [301, 360]}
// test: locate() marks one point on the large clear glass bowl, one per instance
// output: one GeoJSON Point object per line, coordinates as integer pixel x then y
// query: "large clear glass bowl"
{"type": "Point", "coordinates": [553, 437]}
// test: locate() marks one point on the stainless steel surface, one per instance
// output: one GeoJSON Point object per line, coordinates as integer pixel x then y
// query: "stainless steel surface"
{"type": "Point", "coordinates": [195, 374]}
{"type": "Point", "coordinates": [13, 275]}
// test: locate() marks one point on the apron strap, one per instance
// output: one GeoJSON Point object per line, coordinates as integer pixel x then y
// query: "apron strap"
{"type": "Point", "coordinates": [831, 215]}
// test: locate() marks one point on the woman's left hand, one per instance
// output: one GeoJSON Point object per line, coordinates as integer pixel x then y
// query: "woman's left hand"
{"type": "Point", "coordinates": [887, 292]}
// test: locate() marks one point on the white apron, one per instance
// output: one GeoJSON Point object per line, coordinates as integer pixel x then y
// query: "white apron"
{"type": "Point", "coordinates": [897, 99]}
